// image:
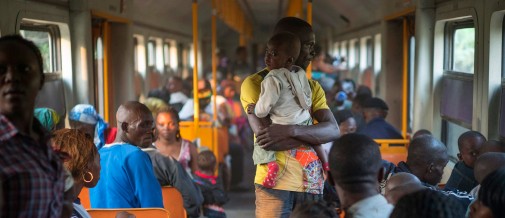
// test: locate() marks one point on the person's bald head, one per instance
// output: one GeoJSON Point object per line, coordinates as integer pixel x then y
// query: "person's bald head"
{"type": "Point", "coordinates": [427, 158]}
{"type": "Point", "coordinates": [487, 163]}
{"type": "Point", "coordinates": [401, 184]}
{"type": "Point", "coordinates": [135, 124]}
{"type": "Point", "coordinates": [492, 146]}
{"type": "Point", "coordinates": [355, 161]}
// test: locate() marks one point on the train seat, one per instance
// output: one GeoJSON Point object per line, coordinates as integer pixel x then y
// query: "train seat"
{"type": "Point", "coordinates": [138, 212]}
{"type": "Point", "coordinates": [173, 202]}
{"type": "Point", "coordinates": [84, 197]}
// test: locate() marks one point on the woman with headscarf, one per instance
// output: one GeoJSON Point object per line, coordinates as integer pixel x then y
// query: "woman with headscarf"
{"type": "Point", "coordinates": [47, 117]}
{"type": "Point", "coordinates": [85, 118]}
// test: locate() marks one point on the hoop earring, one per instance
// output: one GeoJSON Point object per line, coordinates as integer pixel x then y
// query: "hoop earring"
{"type": "Point", "coordinates": [84, 177]}
{"type": "Point", "coordinates": [178, 135]}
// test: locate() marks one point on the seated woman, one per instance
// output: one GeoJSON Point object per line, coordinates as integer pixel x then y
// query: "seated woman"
{"type": "Point", "coordinates": [83, 162]}
{"type": "Point", "coordinates": [170, 143]}
{"type": "Point", "coordinates": [85, 118]}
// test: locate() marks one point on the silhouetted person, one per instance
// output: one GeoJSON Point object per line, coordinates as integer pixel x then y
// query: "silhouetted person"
{"type": "Point", "coordinates": [356, 168]}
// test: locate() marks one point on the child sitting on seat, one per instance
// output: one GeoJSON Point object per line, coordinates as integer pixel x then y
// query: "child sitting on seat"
{"type": "Point", "coordinates": [212, 188]}
{"type": "Point", "coordinates": [287, 97]}
{"type": "Point", "coordinates": [462, 176]}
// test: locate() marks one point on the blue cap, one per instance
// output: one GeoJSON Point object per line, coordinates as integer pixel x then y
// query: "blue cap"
{"type": "Point", "coordinates": [341, 96]}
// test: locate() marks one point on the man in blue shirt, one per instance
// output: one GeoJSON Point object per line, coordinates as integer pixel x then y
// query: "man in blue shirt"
{"type": "Point", "coordinates": [127, 178]}
{"type": "Point", "coordinates": [375, 112]}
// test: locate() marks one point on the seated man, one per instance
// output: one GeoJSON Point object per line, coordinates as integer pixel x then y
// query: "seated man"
{"type": "Point", "coordinates": [401, 184]}
{"type": "Point", "coordinates": [462, 178]}
{"type": "Point", "coordinates": [427, 203]}
{"type": "Point", "coordinates": [426, 159]}
{"type": "Point", "coordinates": [375, 112]}
{"type": "Point", "coordinates": [484, 165]}
{"type": "Point", "coordinates": [170, 172]}
{"type": "Point", "coordinates": [127, 179]}
{"type": "Point", "coordinates": [357, 180]}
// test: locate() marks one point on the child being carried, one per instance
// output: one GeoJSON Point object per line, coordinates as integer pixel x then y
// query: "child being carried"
{"type": "Point", "coordinates": [285, 95]}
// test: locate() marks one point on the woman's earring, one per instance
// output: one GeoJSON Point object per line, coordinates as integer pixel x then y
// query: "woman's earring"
{"type": "Point", "coordinates": [84, 177]}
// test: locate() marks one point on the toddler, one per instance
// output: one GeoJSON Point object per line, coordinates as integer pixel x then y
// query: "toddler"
{"type": "Point", "coordinates": [285, 96]}
{"type": "Point", "coordinates": [213, 193]}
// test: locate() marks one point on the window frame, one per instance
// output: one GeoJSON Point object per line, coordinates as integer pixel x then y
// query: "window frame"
{"type": "Point", "coordinates": [54, 39]}
{"type": "Point", "coordinates": [449, 32]}
{"type": "Point", "coordinates": [449, 72]}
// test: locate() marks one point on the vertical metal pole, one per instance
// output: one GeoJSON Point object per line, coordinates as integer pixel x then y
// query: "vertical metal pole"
{"type": "Point", "coordinates": [106, 44]}
{"type": "Point", "coordinates": [214, 79]}
{"type": "Point", "coordinates": [309, 20]}
{"type": "Point", "coordinates": [405, 76]}
{"type": "Point", "coordinates": [196, 108]}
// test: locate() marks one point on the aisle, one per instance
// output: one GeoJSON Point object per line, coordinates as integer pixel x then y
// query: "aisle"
{"type": "Point", "coordinates": [242, 204]}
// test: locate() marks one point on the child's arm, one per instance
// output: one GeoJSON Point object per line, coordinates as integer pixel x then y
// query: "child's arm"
{"type": "Point", "coordinates": [322, 156]}
{"type": "Point", "coordinates": [270, 90]}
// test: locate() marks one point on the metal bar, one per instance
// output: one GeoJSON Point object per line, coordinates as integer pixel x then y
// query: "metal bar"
{"type": "Point", "coordinates": [196, 108]}
{"type": "Point", "coordinates": [405, 76]}
{"type": "Point", "coordinates": [106, 43]}
{"type": "Point", "coordinates": [214, 79]}
{"type": "Point", "coordinates": [309, 20]}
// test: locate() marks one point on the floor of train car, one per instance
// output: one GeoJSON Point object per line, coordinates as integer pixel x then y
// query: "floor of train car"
{"type": "Point", "coordinates": [241, 203]}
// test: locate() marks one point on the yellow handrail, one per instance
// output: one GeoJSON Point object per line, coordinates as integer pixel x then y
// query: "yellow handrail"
{"type": "Point", "coordinates": [214, 77]}
{"type": "Point", "coordinates": [405, 75]}
{"type": "Point", "coordinates": [309, 20]}
{"type": "Point", "coordinates": [196, 104]}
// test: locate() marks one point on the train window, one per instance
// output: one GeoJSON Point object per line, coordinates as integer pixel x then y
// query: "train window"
{"type": "Point", "coordinates": [336, 48]}
{"type": "Point", "coordinates": [460, 46]}
{"type": "Point", "coordinates": [377, 54]}
{"type": "Point", "coordinates": [166, 56]}
{"type": "Point", "coordinates": [457, 89]}
{"type": "Point", "coordinates": [46, 37]}
{"type": "Point", "coordinates": [451, 137]}
{"type": "Point", "coordinates": [151, 53]}
{"type": "Point", "coordinates": [343, 49]}
{"type": "Point", "coordinates": [139, 54]}
{"type": "Point", "coordinates": [174, 60]}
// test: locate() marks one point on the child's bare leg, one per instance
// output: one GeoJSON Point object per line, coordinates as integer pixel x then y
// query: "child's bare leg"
{"type": "Point", "coordinates": [273, 169]}
{"type": "Point", "coordinates": [322, 156]}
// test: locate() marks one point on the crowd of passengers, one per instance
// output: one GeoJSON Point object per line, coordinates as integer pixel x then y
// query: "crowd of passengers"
{"type": "Point", "coordinates": [44, 166]}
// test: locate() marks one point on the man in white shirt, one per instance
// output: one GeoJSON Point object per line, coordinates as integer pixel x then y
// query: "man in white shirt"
{"type": "Point", "coordinates": [356, 168]}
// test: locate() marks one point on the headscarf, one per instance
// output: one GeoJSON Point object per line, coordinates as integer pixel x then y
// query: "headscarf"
{"type": "Point", "coordinates": [155, 105]}
{"type": "Point", "coordinates": [47, 117]}
{"type": "Point", "coordinates": [86, 113]}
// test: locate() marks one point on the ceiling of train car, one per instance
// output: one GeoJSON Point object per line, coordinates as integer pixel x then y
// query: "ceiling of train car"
{"type": "Point", "coordinates": [334, 15]}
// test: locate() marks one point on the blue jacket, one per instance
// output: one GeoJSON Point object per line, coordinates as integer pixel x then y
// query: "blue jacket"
{"type": "Point", "coordinates": [461, 178]}
{"type": "Point", "coordinates": [378, 128]}
{"type": "Point", "coordinates": [126, 180]}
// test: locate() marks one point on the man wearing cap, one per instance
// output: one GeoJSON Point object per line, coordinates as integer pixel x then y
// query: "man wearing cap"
{"type": "Point", "coordinates": [375, 111]}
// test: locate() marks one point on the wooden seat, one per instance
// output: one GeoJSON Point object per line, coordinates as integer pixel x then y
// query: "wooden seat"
{"type": "Point", "coordinates": [84, 197]}
{"type": "Point", "coordinates": [138, 212]}
{"type": "Point", "coordinates": [173, 202]}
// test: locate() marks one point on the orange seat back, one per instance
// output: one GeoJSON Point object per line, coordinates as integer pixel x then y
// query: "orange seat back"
{"type": "Point", "coordinates": [393, 150]}
{"type": "Point", "coordinates": [138, 212]}
{"type": "Point", "coordinates": [173, 202]}
{"type": "Point", "coordinates": [214, 138]}
{"type": "Point", "coordinates": [84, 197]}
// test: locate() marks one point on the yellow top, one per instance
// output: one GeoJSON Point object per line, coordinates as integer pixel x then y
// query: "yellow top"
{"type": "Point", "coordinates": [295, 172]}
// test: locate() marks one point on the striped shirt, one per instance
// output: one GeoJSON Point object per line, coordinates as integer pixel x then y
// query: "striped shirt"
{"type": "Point", "coordinates": [31, 173]}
